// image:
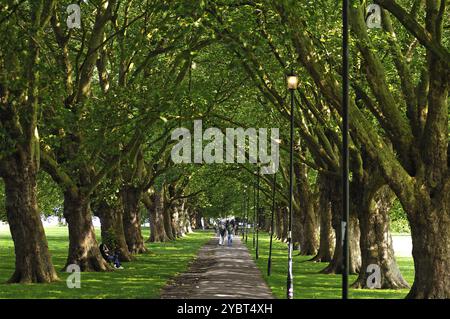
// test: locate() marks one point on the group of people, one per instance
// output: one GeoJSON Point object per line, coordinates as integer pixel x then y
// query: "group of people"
{"type": "Point", "coordinates": [226, 229]}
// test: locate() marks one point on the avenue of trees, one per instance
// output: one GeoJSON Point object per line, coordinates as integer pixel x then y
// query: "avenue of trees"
{"type": "Point", "coordinates": [86, 116]}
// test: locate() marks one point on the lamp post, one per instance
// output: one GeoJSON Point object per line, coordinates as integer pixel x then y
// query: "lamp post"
{"type": "Point", "coordinates": [246, 216]}
{"type": "Point", "coordinates": [254, 214]}
{"type": "Point", "coordinates": [345, 164]}
{"type": "Point", "coordinates": [269, 261]}
{"type": "Point", "coordinates": [292, 83]}
{"type": "Point", "coordinates": [243, 212]}
{"type": "Point", "coordinates": [257, 215]}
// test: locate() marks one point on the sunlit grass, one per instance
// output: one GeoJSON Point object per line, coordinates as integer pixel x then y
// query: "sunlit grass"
{"type": "Point", "coordinates": [142, 278]}
{"type": "Point", "coordinates": [308, 282]}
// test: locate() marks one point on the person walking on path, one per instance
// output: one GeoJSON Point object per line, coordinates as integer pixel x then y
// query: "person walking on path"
{"type": "Point", "coordinates": [222, 231]}
{"type": "Point", "coordinates": [230, 231]}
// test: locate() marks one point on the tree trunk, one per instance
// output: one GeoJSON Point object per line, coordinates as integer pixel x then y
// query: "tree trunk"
{"type": "Point", "coordinates": [376, 241]}
{"type": "Point", "coordinates": [278, 223]}
{"type": "Point", "coordinates": [327, 237]}
{"type": "Point", "coordinates": [83, 247]}
{"type": "Point", "coordinates": [308, 225]}
{"type": "Point", "coordinates": [297, 229]}
{"type": "Point", "coordinates": [155, 208]}
{"type": "Point", "coordinates": [111, 219]}
{"type": "Point", "coordinates": [174, 221]}
{"type": "Point", "coordinates": [310, 239]}
{"type": "Point", "coordinates": [430, 224]}
{"type": "Point", "coordinates": [188, 218]}
{"type": "Point", "coordinates": [285, 223]}
{"type": "Point", "coordinates": [181, 220]}
{"type": "Point", "coordinates": [196, 220]}
{"type": "Point", "coordinates": [167, 219]}
{"type": "Point", "coordinates": [131, 197]}
{"type": "Point", "coordinates": [33, 261]}
{"type": "Point", "coordinates": [335, 266]}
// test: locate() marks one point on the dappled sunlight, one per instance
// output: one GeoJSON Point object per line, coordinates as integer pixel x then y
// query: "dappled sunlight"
{"type": "Point", "coordinates": [309, 283]}
{"type": "Point", "coordinates": [142, 278]}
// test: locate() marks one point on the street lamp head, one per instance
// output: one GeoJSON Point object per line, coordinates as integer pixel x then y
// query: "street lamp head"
{"type": "Point", "coordinates": [292, 81]}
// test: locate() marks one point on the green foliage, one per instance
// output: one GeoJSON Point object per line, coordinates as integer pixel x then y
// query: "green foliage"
{"type": "Point", "coordinates": [398, 220]}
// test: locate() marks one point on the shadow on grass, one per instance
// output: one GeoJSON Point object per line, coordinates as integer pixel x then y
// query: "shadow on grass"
{"type": "Point", "coordinates": [309, 283]}
{"type": "Point", "coordinates": [141, 278]}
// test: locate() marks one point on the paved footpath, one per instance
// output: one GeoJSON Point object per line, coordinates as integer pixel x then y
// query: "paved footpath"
{"type": "Point", "coordinates": [220, 272]}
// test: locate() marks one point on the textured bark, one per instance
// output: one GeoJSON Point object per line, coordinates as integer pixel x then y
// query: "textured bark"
{"type": "Point", "coordinates": [181, 218]}
{"type": "Point", "coordinates": [309, 240]}
{"type": "Point", "coordinates": [33, 262]}
{"type": "Point", "coordinates": [155, 207]}
{"type": "Point", "coordinates": [192, 212]}
{"type": "Point", "coordinates": [196, 220]}
{"type": "Point", "coordinates": [430, 224]}
{"type": "Point", "coordinates": [83, 247]}
{"type": "Point", "coordinates": [327, 236]}
{"type": "Point", "coordinates": [20, 150]}
{"type": "Point", "coordinates": [174, 220]}
{"type": "Point", "coordinates": [167, 218]}
{"type": "Point", "coordinates": [188, 213]}
{"type": "Point", "coordinates": [418, 170]}
{"type": "Point", "coordinates": [297, 229]}
{"type": "Point", "coordinates": [278, 223]}
{"type": "Point", "coordinates": [111, 219]}
{"type": "Point", "coordinates": [335, 266]}
{"type": "Point", "coordinates": [131, 197]}
{"type": "Point", "coordinates": [285, 223]}
{"type": "Point", "coordinates": [376, 240]}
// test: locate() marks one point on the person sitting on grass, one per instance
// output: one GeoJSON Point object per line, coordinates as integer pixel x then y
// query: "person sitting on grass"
{"type": "Point", "coordinates": [110, 256]}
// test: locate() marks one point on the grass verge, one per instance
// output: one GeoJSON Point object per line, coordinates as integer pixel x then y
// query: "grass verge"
{"type": "Point", "coordinates": [308, 282]}
{"type": "Point", "coordinates": [141, 278]}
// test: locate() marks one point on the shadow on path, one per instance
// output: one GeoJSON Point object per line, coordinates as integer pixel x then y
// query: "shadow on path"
{"type": "Point", "coordinates": [220, 272]}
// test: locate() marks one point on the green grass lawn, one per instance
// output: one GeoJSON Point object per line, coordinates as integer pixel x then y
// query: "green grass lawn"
{"type": "Point", "coordinates": [308, 283]}
{"type": "Point", "coordinates": [142, 278]}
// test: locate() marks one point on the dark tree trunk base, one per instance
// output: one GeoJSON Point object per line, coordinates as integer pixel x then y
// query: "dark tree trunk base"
{"type": "Point", "coordinates": [327, 236]}
{"type": "Point", "coordinates": [155, 207]}
{"type": "Point", "coordinates": [376, 241]}
{"type": "Point", "coordinates": [335, 266]}
{"type": "Point", "coordinates": [33, 263]}
{"type": "Point", "coordinates": [430, 224]}
{"type": "Point", "coordinates": [83, 247]}
{"type": "Point", "coordinates": [131, 197]}
{"type": "Point", "coordinates": [111, 219]}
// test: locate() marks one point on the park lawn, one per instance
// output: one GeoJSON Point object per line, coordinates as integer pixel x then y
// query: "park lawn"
{"type": "Point", "coordinates": [308, 283]}
{"type": "Point", "coordinates": [141, 278]}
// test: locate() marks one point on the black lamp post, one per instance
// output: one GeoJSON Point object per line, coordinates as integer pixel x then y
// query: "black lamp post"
{"type": "Point", "coordinates": [246, 216]}
{"type": "Point", "coordinates": [254, 213]}
{"type": "Point", "coordinates": [257, 215]}
{"type": "Point", "coordinates": [269, 262]}
{"type": "Point", "coordinates": [345, 164]}
{"type": "Point", "coordinates": [292, 83]}
{"type": "Point", "coordinates": [243, 217]}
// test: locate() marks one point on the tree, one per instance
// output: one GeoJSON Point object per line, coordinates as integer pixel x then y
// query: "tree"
{"type": "Point", "coordinates": [20, 86]}
{"type": "Point", "coordinates": [418, 170]}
